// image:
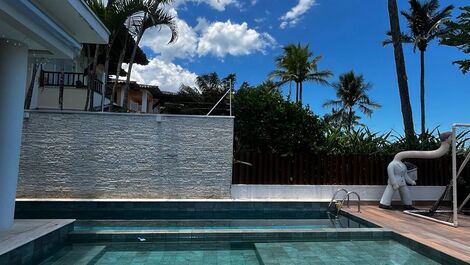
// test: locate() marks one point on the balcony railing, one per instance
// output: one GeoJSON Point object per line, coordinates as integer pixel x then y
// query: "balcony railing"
{"type": "Point", "coordinates": [71, 79]}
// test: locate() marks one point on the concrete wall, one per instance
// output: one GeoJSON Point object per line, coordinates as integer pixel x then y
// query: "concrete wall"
{"type": "Point", "coordinates": [325, 192]}
{"type": "Point", "coordinates": [74, 98]}
{"type": "Point", "coordinates": [110, 155]}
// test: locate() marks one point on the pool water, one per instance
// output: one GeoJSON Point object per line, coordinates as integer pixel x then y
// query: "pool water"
{"type": "Point", "coordinates": [252, 253]}
{"type": "Point", "coordinates": [166, 225]}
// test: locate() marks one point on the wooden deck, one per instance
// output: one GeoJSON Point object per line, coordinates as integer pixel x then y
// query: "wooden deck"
{"type": "Point", "coordinates": [450, 240]}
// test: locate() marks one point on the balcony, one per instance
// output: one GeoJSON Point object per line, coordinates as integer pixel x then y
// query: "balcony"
{"type": "Point", "coordinates": [70, 79]}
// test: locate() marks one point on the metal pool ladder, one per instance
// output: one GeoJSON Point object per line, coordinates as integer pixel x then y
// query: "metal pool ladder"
{"type": "Point", "coordinates": [338, 205]}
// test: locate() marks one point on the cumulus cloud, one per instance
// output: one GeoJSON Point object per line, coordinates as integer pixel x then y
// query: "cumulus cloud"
{"type": "Point", "coordinates": [168, 76]}
{"type": "Point", "coordinates": [292, 17]}
{"type": "Point", "coordinates": [207, 38]}
{"type": "Point", "coordinates": [215, 4]}
{"type": "Point", "coordinates": [222, 38]}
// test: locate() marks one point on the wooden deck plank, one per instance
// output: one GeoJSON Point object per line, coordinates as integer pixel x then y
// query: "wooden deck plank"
{"type": "Point", "coordinates": [450, 240]}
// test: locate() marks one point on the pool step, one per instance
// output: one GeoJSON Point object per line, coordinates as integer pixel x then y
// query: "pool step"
{"type": "Point", "coordinates": [77, 255]}
{"type": "Point", "coordinates": [233, 235]}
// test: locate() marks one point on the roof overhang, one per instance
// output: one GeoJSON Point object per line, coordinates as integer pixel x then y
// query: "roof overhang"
{"type": "Point", "coordinates": [76, 18]}
{"type": "Point", "coordinates": [51, 32]}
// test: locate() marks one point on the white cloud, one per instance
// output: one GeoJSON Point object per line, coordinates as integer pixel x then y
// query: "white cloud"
{"type": "Point", "coordinates": [216, 4]}
{"type": "Point", "coordinates": [254, 2]}
{"type": "Point", "coordinates": [168, 76]}
{"type": "Point", "coordinates": [206, 38]}
{"type": "Point", "coordinates": [222, 38]}
{"type": "Point", "coordinates": [293, 16]}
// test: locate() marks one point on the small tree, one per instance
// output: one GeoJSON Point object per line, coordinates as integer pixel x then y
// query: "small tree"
{"type": "Point", "coordinates": [266, 122]}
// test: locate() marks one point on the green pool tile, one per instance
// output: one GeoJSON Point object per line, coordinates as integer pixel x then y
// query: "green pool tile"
{"type": "Point", "coordinates": [340, 252]}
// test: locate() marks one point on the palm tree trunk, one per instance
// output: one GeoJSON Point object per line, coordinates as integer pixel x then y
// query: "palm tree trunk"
{"type": "Point", "coordinates": [87, 100]}
{"type": "Point", "coordinates": [93, 77]}
{"type": "Point", "coordinates": [350, 119]}
{"type": "Point", "coordinates": [106, 70]}
{"type": "Point", "coordinates": [296, 91]}
{"type": "Point", "coordinates": [421, 95]}
{"type": "Point", "coordinates": [300, 93]}
{"type": "Point", "coordinates": [29, 94]}
{"type": "Point", "coordinates": [131, 63]}
{"type": "Point", "coordinates": [289, 91]}
{"type": "Point", "coordinates": [61, 88]}
{"type": "Point", "coordinates": [401, 70]}
{"type": "Point", "coordinates": [116, 80]}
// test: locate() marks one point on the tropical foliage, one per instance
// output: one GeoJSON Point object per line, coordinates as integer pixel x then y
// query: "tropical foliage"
{"type": "Point", "coordinates": [295, 65]}
{"type": "Point", "coordinates": [199, 100]}
{"type": "Point", "coordinates": [458, 35]}
{"type": "Point", "coordinates": [266, 122]}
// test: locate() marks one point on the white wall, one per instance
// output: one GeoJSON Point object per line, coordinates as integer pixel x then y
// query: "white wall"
{"type": "Point", "coordinates": [325, 192]}
{"type": "Point", "coordinates": [92, 155]}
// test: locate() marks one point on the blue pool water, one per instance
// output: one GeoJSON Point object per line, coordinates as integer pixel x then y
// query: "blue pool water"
{"type": "Point", "coordinates": [251, 253]}
{"type": "Point", "coordinates": [166, 225]}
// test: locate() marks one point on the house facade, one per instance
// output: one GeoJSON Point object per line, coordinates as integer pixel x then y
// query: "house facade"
{"type": "Point", "coordinates": [32, 30]}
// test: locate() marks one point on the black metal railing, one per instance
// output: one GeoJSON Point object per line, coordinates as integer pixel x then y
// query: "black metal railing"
{"type": "Point", "coordinates": [71, 79]}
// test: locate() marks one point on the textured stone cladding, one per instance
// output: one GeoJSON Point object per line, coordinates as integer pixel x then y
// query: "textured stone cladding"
{"type": "Point", "coordinates": [96, 155]}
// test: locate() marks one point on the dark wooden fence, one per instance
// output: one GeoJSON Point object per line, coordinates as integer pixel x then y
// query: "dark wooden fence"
{"type": "Point", "coordinates": [317, 169]}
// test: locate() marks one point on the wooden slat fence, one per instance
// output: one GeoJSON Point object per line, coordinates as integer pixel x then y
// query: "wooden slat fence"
{"type": "Point", "coordinates": [317, 169]}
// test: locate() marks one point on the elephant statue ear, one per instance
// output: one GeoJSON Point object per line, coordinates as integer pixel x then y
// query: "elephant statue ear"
{"type": "Point", "coordinates": [445, 137]}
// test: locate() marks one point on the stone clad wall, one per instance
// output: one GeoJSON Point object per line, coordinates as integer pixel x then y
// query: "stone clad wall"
{"type": "Point", "coordinates": [106, 155]}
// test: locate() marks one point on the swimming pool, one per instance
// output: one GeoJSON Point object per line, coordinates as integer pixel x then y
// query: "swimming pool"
{"type": "Point", "coordinates": [221, 232]}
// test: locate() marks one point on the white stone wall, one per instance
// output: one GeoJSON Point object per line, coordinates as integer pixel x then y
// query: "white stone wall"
{"type": "Point", "coordinates": [111, 155]}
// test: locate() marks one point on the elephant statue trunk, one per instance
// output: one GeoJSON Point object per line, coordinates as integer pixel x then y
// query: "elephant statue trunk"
{"type": "Point", "coordinates": [399, 175]}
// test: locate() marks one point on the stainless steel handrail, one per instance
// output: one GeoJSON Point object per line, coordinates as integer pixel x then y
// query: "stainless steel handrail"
{"type": "Point", "coordinates": [334, 196]}
{"type": "Point", "coordinates": [358, 200]}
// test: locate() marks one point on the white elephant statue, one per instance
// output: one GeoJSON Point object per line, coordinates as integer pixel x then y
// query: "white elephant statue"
{"type": "Point", "coordinates": [401, 173]}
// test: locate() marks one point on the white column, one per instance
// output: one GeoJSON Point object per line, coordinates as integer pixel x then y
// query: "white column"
{"type": "Point", "coordinates": [13, 73]}
{"type": "Point", "coordinates": [144, 101]}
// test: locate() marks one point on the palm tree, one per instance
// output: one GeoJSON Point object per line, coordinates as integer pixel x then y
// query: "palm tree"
{"type": "Point", "coordinates": [395, 34]}
{"type": "Point", "coordinates": [295, 65]}
{"type": "Point", "coordinates": [351, 92]}
{"type": "Point", "coordinates": [114, 15]}
{"type": "Point", "coordinates": [425, 23]}
{"type": "Point", "coordinates": [153, 15]}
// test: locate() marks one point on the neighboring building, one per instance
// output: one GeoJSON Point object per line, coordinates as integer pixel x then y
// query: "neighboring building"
{"type": "Point", "coordinates": [46, 86]}
{"type": "Point", "coordinates": [29, 29]}
{"type": "Point", "coordinates": [141, 97]}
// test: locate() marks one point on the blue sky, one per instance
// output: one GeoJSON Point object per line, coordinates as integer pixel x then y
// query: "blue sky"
{"type": "Point", "coordinates": [244, 37]}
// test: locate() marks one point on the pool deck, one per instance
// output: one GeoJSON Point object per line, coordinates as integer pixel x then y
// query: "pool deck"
{"type": "Point", "coordinates": [450, 240]}
{"type": "Point", "coordinates": [27, 230]}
